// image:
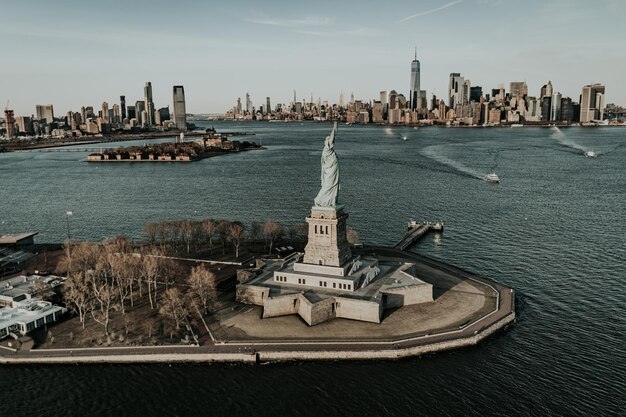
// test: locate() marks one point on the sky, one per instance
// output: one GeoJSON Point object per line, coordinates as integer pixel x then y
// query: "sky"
{"type": "Point", "coordinates": [74, 53]}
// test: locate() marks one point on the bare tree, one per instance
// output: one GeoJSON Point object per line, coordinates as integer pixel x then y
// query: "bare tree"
{"type": "Point", "coordinates": [202, 286]}
{"type": "Point", "coordinates": [104, 296]}
{"type": "Point", "coordinates": [256, 232]}
{"type": "Point", "coordinates": [151, 231]}
{"type": "Point", "coordinates": [209, 227]}
{"type": "Point", "coordinates": [150, 272]}
{"type": "Point", "coordinates": [187, 233]}
{"type": "Point", "coordinates": [77, 294]}
{"type": "Point", "coordinates": [174, 306]}
{"type": "Point", "coordinates": [223, 227]}
{"type": "Point", "coordinates": [236, 233]}
{"type": "Point", "coordinates": [272, 230]}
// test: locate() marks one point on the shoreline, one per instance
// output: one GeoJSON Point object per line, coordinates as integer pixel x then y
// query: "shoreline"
{"type": "Point", "coordinates": [257, 350]}
{"type": "Point", "coordinates": [92, 140]}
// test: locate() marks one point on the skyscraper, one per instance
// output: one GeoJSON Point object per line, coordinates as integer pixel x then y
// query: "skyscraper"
{"type": "Point", "coordinates": [45, 111]}
{"type": "Point", "coordinates": [180, 115]}
{"type": "Point", "coordinates": [415, 100]}
{"type": "Point", "coordinates": [455, 89]}
{"type": "Point", "coordinates": [248, 104]}
{"type": "Point", "coordinates": [518, 89]}
{"type": "Point", "coordinates": [148, 104]}
{"type": "Point", "coordinates": [139, 108]}
{"type": "Point", "coordinates": [546, 90]}
{"type": "Point", "coordinates": [9, 123]}
{"type": "Point", "coordinates": [105, 111]}
{"type": "Point", "coordinates": [268, 108]}
{"type": "Point", "coordinates": [475, 93]}
{"type": "Point", "coordinates": [592, 103]}
{"type": "Point", "coordinates": [555, 112]}
{"type": "Point", "coordinates": [123, 106]}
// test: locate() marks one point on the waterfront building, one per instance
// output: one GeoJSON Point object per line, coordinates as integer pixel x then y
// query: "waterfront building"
{"type": "Point", "coordinates": [28, 316]}
{"type": "Point", "coordinates": [377, 112]}
{"type": "Point", "coordinates": [45, 112]}
{"type": "Point", "coordinates": [24, 124]}
{"type": "Point", "coordinates": [592, 103]}
{"type": "Point", "coordinates": [455, 90]}
{"type": "Point", "coordinates": [495, 116]}
{"type": "Point", "coordinates": [105, 111]}
{"type": "Point", "coordinates": [467, 86]}
{"type": "Point", "coordinates": [139, 108]}
{"type": "Point", "coordinates": [9, 123]}
{"type": "Point", "coordinates": [91, 126]}
{"type": "Point", "coordinates": [518, 89]}
{"type": "Point", "coordinates": [180, 111]}
{"type": "Point", "coordinates": [123, 106]}
{"type": "Point", "coordinates": [555, 111]}
{"type": "Point", "coordinates": [476, 93]}
{"type": "Point", "coordinates": [76, 120]}
{"type": "Point", "coordinates": [238, 107]}
{"type": "Point", "coordinates": [117, 115]}
{"type": "Point", "coordinates": [533, 113]}
{"type": "Point", "coordinates": [546, 90]}
{"type": "Point", "coordinates": [148, 104]}
{"type": "Point", "coordinates": [546, 106]}
{"type": "Point", "coordinates": [567, 110]}
{"type": "Point", "coordinates": [384, 101]}
{"type": "Point", "coordinates": [249, 103]}
{"type": "Point", "coordinates": [164, 114]}
{"type": "Point", "coordinates": [268, 107]}
{"type": "Point", "coordinates": [83, 113]}
{"type": "Point", "coordinates": [414, 97]}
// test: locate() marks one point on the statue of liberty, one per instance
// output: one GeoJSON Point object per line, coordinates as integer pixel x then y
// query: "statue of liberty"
{"type": "Point", "coordinates": [327, 197]}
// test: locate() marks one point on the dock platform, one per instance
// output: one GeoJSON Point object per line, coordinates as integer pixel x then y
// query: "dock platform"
{"type": "Point", "coordinates": [417, 230]}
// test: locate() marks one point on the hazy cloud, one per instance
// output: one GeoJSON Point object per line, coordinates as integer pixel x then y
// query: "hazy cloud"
{"type": "Point", "coordinates": [332, 34]}
{"type": "Point", "coordinates": [292, 23]}
{"type": "Point", "coordinates": [445, 6]}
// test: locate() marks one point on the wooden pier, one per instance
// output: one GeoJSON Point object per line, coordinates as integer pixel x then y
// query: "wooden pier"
{"type": "Point", "coordinates": [417, 230]}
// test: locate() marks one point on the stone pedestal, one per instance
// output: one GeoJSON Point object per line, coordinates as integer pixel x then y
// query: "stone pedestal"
{"type": "Point", "coordinates": [328, 239]}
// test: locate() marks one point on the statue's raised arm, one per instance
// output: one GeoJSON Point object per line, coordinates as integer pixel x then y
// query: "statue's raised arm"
{"type": "Point", "coordinates": [331, 139]}
{"type": "Point", "coordinates": [327, 197]}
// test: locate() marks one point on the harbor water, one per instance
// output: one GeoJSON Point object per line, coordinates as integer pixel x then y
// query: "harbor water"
{"type": "Point", "coordinates": [553, 229]}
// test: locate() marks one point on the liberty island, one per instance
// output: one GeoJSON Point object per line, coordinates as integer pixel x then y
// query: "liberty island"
{"type": "Point", "coordinates": [333, 301]}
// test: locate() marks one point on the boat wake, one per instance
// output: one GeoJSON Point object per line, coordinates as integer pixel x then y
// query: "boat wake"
{"type": "Point", "coordinates": [565, 141]}
{"type": "Point", "coordinates": [432, 153]}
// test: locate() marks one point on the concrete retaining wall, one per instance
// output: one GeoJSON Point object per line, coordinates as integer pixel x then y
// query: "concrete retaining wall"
{"type": "Point", "coordinates": [384, 352]}
{"type": "Point", "coordinates": [358, 310]}
{"type": "Point", "coordinates": [415, 294]}
{"type": "Point", "coordinates": [133, 358]}
{"type": "Point", "coordinates": [281, 306]}
{"type": "Point", "coordinates": [321, 311]}
{"type": "Point", "coordinates": [250, 294]}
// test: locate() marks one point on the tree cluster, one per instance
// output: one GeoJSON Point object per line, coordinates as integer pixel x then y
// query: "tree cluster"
{"type": "Point", "coordinates": [191, 235]}
{"type": "Point", "coordinates": [111, 277]}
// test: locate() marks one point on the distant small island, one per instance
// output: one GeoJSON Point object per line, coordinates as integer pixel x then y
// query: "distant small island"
{"type": "Point", "coordinates": [211, 144]}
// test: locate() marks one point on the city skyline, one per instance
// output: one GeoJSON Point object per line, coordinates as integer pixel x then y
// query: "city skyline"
{"type": "Point", "coordinates": [315, 50]}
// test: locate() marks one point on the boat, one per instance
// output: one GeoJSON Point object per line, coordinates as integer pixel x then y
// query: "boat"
{"type": "Point", "coordinates": [492, 178]}
{"type": "Point", "coordinates": [590, 154]}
